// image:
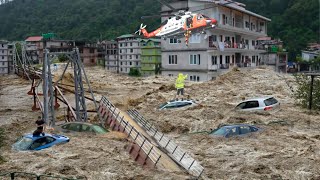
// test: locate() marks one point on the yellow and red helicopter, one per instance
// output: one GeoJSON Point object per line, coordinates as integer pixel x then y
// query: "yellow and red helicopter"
{"type": "Point", "coordinates": [183, 23]}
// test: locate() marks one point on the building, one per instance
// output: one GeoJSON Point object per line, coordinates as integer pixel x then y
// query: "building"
{"type": "Point", "coordinates": [274, 55]}
{"type": "Point", "coordinates": [6, 58]}
{"type": "Point", "coordinates": [311, 52]}
{"type": "Point", "coordinates": [111, 56]}
{"type": "Point", "coordinates": [35, 49]}
{"type": "Point", "coordinates": [232, 43]}
{"type": "Point", "coordinates": [150, 56]}
{"type": "Point", "coordinates": [129, 53]}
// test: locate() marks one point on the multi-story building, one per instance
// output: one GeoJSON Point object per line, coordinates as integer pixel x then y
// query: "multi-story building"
{"type": "Point", "coordinates": [129, 53]}
{"type": "Point", "coordinates": [111, 56]}
{"type": "Point", "coordinates": [231, 43]}
{"type": "Point", "coordinates": [6, 51]}
{"type": "Point", "coordinates": [35, 48]}
{"type": "Point", "coordinates": [150, 56]}
{"type": "Point", "coordinates": [274, 55]}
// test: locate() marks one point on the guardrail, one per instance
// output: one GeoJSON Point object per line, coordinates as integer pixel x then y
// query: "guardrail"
{"type": "Point", "coordinates": [111, 115]}
{"type": "Point", "coordinates": [174, 151]}
{"type": "Point", "coordinates": [19, 175]}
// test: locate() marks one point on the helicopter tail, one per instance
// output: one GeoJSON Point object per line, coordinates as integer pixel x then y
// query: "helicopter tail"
{"type": "Point", "coordinates": [141, 29]}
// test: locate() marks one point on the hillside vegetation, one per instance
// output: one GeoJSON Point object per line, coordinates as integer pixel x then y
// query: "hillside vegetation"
{"type": "Point", "coordinates": [296, 22]}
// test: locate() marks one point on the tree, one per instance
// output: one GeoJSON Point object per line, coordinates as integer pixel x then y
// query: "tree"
{"type": "Point", "coordinates": [302, 94]}
{"type": "Point", "coordinates": [134, 72]}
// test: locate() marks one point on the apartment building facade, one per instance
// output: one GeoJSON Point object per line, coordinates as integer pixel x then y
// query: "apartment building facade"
{"type": "Point", "coordinates": [150, 56]}
{"type": "Point", "coordinates": [6, 57]}
{"type": "Point", "coordinates": [129, 53]}
{"type": "Point", "coordinates": [232, 43]}
{"type": "Point", "coordinates": [35, 49]}
{"type": "Point", "coordinates": [111, 56]}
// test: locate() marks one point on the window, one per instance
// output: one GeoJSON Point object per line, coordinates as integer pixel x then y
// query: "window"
{"type": "Point", "coordinates": [91, 51]}
{"type": "Point", "coordinates": [121, 63]}
{"type": "Point", "coordinates": [247, 24]}
{"type": "Point", "coordinates": [170, 75]}
{"type": "Point", "coordinates": [195, 38]}
{"type": "Point", "coordinates": [173, 59]}
{"type": "Point", "coordinates": [131, 44]}
{"type": "Point", "coordinates": [195, 59]}
{"type": "Point", "coordinates": [74, 127]}
{"type": "Point", "coordinates": [227, 59]}
{"type": "Point", "coordinates": [194, 78]}
{"type": "Point", "coordinates": [131, 50]}
{"type": "Point", "coordinates": [137, 56]}
{"type": "Point", "coordinates": [244, 129]}
{"type": "Point", "coordinates": [120, 45]}
{"type": "Point", "coordinates": [130, 57]}
{"type": "Point", "coordinates": [270, 101]}
{"type": "Point", "coordinates": [120, 50]}
{"type": "Point", "coordinates": [137, 63]}
{"type": "Point", "coordinates": [213, 60]}
{"type": "Point", "coordinates": [125, 44]}
{"type": "Point", "coordinates": [253, 42]}
{"type": "Point", "coordinates": [130, 63]}
{"type": "Point", "coordinates": [251, 104]}
{"type": "Point", "coordinates": [253, 59]}
{"type": "Point", "coordinates": [85, 128]}
{"type": "Point", "coordinates": [173, 41]}
{"type": "Point", "coordinates": [92, 60]}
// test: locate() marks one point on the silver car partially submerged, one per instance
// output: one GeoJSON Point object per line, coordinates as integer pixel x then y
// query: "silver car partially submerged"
{"type": "Point", "coordinates": [259, 104]}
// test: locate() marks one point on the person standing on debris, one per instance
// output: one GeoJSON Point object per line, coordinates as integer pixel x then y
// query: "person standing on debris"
{"type": "Point", "coordinates": [180, 85]}
{"type": "Point", "coordinates": [40, 127]}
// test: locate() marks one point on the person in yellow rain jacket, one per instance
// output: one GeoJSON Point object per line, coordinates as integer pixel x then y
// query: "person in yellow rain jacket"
{"type": "Point", "coordinates": [180, 85]}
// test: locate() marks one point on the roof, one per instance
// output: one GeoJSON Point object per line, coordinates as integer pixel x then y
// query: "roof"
{"type": "Point", "coordinates": [236, 6]}
{"type": "Point", "coordinates": [34, 38]}
{"type": "Point", "coordinates": [151, 39]}
{"type": "Point", "coordinates": [264, 39]}
{"type": "Point", "coordinates": [126, 36]}
{"type": "Point", "coordinates": [258, 98]}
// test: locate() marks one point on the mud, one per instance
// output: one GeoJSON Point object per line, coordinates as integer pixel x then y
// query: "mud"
{"type": "Point", "coordinates": [286, 148]}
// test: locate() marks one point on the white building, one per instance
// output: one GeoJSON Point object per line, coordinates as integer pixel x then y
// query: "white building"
{"type": "Point", "coordinates": [232, 43]}
{"type": "Point", "coordinates": [6, 57]}
{"type": "Point", "coordinates": [129, 53]}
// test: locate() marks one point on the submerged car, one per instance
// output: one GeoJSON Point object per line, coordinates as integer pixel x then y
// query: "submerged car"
{"type": "Point", "coordinates": [81, 127]}
{"type": "Point", "coordinates": [31, 142]}
{"type": "Point", "coordinates": [177, 104]}
{"type": "Point", "coordinates": [258, 104]}
{"type": "Point", "coordinates": [234, 130]}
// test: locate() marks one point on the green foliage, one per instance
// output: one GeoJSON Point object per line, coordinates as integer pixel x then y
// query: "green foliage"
{"type": "Point", "coordinates": [302, 94]}
{"type": "Point", "coordinates": [63, 58]}
{"type": "Point", "coordinates": [134, 72]}
{"type": "Point", "coordinates": [296, 22]}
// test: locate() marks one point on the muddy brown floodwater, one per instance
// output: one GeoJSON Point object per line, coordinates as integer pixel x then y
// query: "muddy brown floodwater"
{"type": "Point", "coordinates": [288, 147]}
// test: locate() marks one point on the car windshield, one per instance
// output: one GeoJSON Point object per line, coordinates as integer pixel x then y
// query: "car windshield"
{"type": "Point", "coordinates": [99, 129]}
{"type": "Point", "coordinates": [270, 101]}
{"type": "Point", "coordinates": [220, 131]}
{"type": "Point", "coordinates": [23, 143]}
{"type": "Point", "coordinates": [162, 105]}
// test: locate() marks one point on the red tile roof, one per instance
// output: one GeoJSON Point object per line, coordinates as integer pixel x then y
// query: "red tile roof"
{"type": "Point", "coordinates": [34, 38]}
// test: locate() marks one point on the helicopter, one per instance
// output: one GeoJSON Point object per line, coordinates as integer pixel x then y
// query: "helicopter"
{"type": "Point", "coordinates": [180, 24]}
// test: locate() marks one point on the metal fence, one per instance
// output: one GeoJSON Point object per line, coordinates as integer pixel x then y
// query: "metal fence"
{"type": "Point", "coordinates": [32, 176]}
{"type": "Point", "coordinates": [174, 151]}
{"type": "Point", "coordinates": [140, 139]}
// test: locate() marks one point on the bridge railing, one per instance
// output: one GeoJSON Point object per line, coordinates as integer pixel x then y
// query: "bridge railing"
{"type": "Point", "coordinates": [174, 151]}
{"type": "Point", "coordinates": [113, 114]}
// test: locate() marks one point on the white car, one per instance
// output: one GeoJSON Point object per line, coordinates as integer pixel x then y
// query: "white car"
{"type": "Point", "coordinates": [258, 104]}
{"type": "Point", "coordinates": [177, 104]}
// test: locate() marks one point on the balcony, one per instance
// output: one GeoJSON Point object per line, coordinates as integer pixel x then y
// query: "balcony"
{"type": "Point", "coordinates": [219, 67]}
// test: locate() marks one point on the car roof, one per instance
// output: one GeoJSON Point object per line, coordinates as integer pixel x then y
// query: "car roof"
{"type": "Point", "coordinates": [187, 100]}
{"type": "Point", "coordinates": [236, 125]}
{"type": "Point", "coordinates": [258, 98]}
{"type": "Point", "coordinates": [31, 136]}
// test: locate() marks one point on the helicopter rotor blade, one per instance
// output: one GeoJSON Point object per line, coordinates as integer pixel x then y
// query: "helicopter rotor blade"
{"type": "Point", "coordinates": [167, 4]}
{"type": "Point", "coordinates": [155, 16]}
